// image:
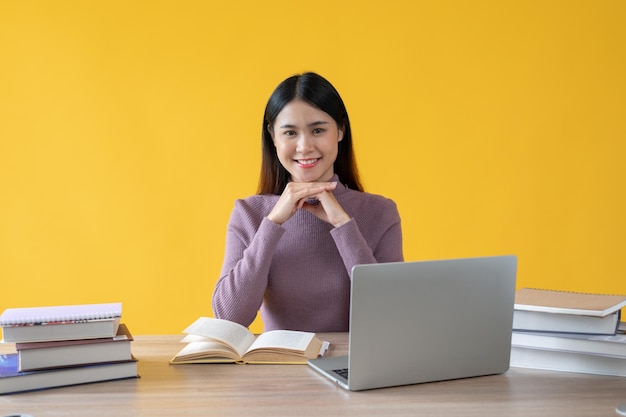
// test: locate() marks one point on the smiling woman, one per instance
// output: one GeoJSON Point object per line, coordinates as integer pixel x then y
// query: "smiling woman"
{"type": "Point", "coordinates": [306, 141]}
{"type": "Point", "coordinates": [127, 132]}
{"type": "Point", "coordinates": [291, 247]}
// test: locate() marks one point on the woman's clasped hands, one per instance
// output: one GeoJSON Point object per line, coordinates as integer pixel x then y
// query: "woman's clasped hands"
{"type": "Point", "coordinates": [315, 197]}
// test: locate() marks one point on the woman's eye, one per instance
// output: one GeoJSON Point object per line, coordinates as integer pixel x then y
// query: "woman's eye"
{"type": "Point", "coordinates": [318, 131]}
{"type": "Point", "coordinates": [289, 133]}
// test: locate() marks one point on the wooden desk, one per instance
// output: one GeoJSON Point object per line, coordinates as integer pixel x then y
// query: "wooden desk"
{"type": "Point", "coordinates": [296, 390]}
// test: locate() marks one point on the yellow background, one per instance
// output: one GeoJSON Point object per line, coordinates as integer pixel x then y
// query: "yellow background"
{"type": "Point", "coordinates": [128, 128]}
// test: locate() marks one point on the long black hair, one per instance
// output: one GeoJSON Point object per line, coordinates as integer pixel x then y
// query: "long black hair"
{"type": "Point", "coordinates": [318, 92]}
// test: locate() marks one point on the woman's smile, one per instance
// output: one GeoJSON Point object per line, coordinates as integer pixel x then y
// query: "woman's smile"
{"type": "Point", "coordinates": [307, 163]}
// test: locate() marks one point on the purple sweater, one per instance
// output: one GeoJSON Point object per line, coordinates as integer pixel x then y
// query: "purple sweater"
{"type": "Point", "coordinates": [298, 273]}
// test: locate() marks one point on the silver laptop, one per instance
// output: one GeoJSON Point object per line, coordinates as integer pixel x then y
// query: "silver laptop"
{"type": "Point", "coordinates": [415, 322]}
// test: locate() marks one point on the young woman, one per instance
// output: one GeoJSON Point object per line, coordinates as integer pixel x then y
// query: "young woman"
{"type": "Point", "coordinates": [291, 247]}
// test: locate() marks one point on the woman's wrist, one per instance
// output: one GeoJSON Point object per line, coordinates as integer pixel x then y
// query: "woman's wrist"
{"type": "Point", "coordinates": [342, 221]}
{"type": "Point", "coordinates": [269, 217]}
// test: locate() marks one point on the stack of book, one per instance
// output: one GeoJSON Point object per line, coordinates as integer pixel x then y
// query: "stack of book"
{"type": "Point", "coordinates": [64, 345]}
{"type": "Point", "coordinates": [569, 331]}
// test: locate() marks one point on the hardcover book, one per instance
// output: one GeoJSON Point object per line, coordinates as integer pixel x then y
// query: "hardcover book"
{"type": "Point", "coordinates": [563, 361]}
{"type": "Point", "coordinates": [12, 380]}
{"type": "Point", "coordinates": [43, 355]}
{"type": "Point", "coordinates": [568, 302]}
{"type": "Point", "coordinates": [612, 345]}
{"type": "Point", "coordinates": [539, 310]}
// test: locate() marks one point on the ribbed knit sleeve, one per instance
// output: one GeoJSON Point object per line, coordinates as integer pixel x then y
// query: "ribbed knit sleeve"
{"type": "Point", "coordinates": [250, 243]}
{"type": "Point", "coordinates": [355, 250]}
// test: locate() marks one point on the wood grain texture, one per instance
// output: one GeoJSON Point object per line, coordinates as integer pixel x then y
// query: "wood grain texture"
{"type": "Point", "coordinates": [296, 390]}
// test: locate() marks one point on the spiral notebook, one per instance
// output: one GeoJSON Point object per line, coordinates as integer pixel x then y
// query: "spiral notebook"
{"type": "Point", "coordinates": [70, 322]}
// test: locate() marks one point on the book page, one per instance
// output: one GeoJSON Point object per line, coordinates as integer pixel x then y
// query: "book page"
{"type": "Point", "coordinates": [238, 337]}
{"type": "Point", "coordinates": [283, 339]}
{"type": "Point", "coordinates": [198, 351]}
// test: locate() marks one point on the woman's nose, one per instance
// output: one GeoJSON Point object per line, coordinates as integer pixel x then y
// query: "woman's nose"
{"type": "Point", "coordinates": [305, 143]}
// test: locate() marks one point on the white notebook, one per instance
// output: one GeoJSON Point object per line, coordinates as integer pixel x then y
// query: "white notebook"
{"type": "Point", "coordinates": [55, 314]}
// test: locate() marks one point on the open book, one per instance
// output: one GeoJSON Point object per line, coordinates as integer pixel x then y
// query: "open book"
{"type": "Point", "coordinates": [212, 340]}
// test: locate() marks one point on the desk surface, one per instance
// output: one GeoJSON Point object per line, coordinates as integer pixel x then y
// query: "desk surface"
{"type": "Point", "coordinates": [297, 390]}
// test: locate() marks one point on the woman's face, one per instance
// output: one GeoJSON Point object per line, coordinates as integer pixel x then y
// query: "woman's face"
{"type": "Point", "coordinates": [306, 141]}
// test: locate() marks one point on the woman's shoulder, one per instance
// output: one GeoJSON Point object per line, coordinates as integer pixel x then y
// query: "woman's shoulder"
{"type": "Point", "coordinates": [370, 204]}
{"type": "Point", "coordinates": [369, 198]}
{"type": "Point", "coordinates": [257, 199]}
{"type": "Point", "coordinates": [251, 210]}
{"type": "Point", "coordinates": [259, 204]}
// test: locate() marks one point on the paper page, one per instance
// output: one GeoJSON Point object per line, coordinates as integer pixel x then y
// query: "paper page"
{"type": "Point", "coordinates": [287, 339]}
{"type": "Point", "coordinates": [195, 350]}
{"type": "Point", "coordinates": [235, 335]}
{"type": "Point", "coordinates": [194, 338]}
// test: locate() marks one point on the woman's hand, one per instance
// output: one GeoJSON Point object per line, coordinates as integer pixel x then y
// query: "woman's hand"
{"type": "Point", "coordinates": [321, 203]}
{"type": "Point", "coordinates": [328, 209]}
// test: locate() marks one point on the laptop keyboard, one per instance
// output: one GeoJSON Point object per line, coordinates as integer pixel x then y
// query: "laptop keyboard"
{"type": "Point", "coordinates": [342, 372]}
